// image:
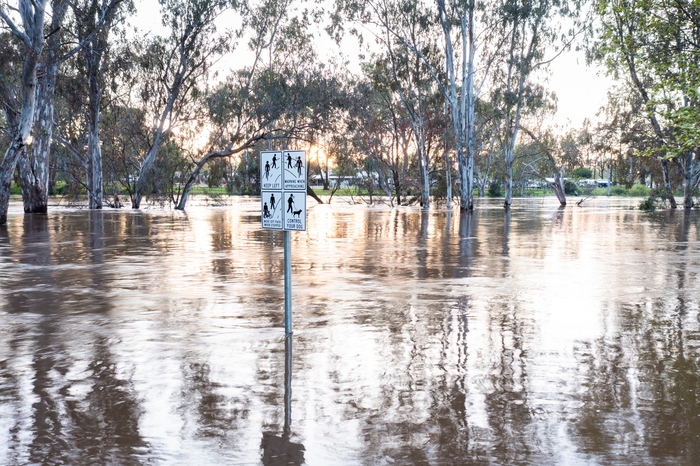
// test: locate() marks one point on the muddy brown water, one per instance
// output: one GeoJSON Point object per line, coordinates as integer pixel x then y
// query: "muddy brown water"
{"type": "Point", "coordinates": [539, 337]}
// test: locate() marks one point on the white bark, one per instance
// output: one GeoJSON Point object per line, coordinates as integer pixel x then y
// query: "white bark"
{"type": "Point", "coordinates": [32, 13]}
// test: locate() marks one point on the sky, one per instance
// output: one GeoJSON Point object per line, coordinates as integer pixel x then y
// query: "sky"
{"type": "Point", "coordinates": [581, 90]}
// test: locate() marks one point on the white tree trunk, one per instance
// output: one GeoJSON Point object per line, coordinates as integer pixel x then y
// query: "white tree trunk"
{"type": "Point", "coordinates": [32, 12]}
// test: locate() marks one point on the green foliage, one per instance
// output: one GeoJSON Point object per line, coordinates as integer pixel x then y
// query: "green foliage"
{"type": "Point", "coordinates": [639, 190]}
{"type": "Point", "coordinates": [15, 188]}
{"type": "Point", "coordinates": [581, 173]}
{"type": "Point", "coordinates": [648, 204]}
{"type": "Point", "coordinates": [245, 180]}
{"type": "Point", "coordinates": [494, 189]}
{"type": "Point", "coordinates": [570, 188]}
{"type": "Point", "coordinates": [657, 199]}
{"type": "Point", "coordinates": [618, 190]}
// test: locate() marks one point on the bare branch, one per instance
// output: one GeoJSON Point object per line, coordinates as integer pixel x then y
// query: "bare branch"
{"type": "Point", "coordinates": [15, 30]}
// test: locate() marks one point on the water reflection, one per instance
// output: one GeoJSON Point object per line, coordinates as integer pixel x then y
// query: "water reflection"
{"type": "Point", "coordinates": [533, 336]}
{"type": "Point", "coordinates": [279, 449]}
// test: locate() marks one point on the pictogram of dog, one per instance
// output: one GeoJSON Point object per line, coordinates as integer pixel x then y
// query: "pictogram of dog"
{"type": "Point", "coordinates": [296, 213]}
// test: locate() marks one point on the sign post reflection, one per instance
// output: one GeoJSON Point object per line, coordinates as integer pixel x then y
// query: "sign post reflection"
{"type": "Point", "coordinates": [278, 449]}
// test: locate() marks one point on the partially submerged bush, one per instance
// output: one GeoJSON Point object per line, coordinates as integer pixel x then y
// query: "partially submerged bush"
{"type": "Point", "coordinates": [648, 204]}
{"type": "Point", "coordinates": [570, 188]}
{"type": "Point", "coordinates": [657, 199]}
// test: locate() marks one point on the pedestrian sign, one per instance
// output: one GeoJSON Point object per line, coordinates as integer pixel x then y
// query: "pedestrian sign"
{"type": "Point", "coordinates": [272, 210]}
{"type": "Point", "coordinates": [270, 171]}
{"type": "Point", "coordinates": [283, 190]}
{"type": "Point", "coordinates": [295, 170]}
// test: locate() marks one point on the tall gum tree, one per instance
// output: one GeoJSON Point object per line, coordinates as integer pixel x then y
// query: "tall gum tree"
{"type": "Point", "coordinates": [281, 100]}
{"type": "Point", "coordinates": [182, 61]}
{"type": "Point", "coordinates": [408, 38]}
{"type": "Point", "coordinates": [414, 84]}
{"type": "Point", "coordinates": [530, 28]}
{"type": "Point", "coordinates": [465, 28]}
{"type": "Point", "coordinates": [94, 56]}
{"type": "Point", "coordinates": [34, 166]}
{"type": "Point", "coordinates": [31, 34]}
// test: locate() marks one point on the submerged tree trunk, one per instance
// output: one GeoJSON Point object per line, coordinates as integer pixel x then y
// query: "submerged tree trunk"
{"type": "Point", "coordinates": [94, 56]}
{"type": "Point", "coordinates": [423, 163]}
{"type": "Point", "coordinates": [508, 200]}
{"type": "Point", "coordinates": [667, 184]}
{"type": "Point", "coordinates": [691, 178]}
{"type": "Point", "coordinates": [461, 101]}
{"type": "Point", "coordinates": [34, 166]}
{"type": "Point", "coordinates": [33, 39]}
{"type": "Point", "coordinates": [558, 187]}
{"type": "Point", "coordinates": [94, 158]}
{"type": "Point", "coordinates": [7, 168]}
{"type": "Point", "coordinates": [448, 178]}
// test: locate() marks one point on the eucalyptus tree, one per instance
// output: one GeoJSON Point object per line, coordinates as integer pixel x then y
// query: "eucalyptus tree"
{"type": "Point", "coordinates": [94, 56]}
{"type": "Point", "coordinates": [547, 157]}
{"type": "Point", "coordinates": [34, 167]}
{"type": "Point", "coordinates": [80, 94]}
{"type": "Point", "coordinates": [373, 123]}
{"type": "Point", "coordinates": [654, 45]}
{"type": "Point", "coordinates": [530, 27]}
{"type": "Point", "coordinates": [410, 23]}
{"type": "Point", "coordinates": [30, 33]}
{"type": "Point", "coordinates": [288, 97]}
{"type": "Point", "coordinates": [278, 105]}
{"type": "Point", "coordinates": [468, 45]}
{"type": "Point", "coordinates": [176, 68]}
{"type": "Point", "coordinates": [626, 135]}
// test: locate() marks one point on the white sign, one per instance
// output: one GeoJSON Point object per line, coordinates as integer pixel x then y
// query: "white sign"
{"type": "Point", "coordinates": [295, 214]}
{"type": "Point", "coordinates": [272, 207]}
{"type": "Point", "coordinates": [283, 190]}
{"type": "Point", "coordinates": [270, 171]}
{"type": "Point", "coordinates": [295, 170]}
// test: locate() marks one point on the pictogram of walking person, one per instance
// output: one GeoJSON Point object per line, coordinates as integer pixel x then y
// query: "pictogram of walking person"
{"type": "Point", "coordinates": [289, 160]}
{"type": "Point", "coordinates": [266, 211]}
{"type": "Point", "coordinates": [267, 170]}
{"type": "Point", "coordinates": [274, 161]}
{"type": "Point", "coordinates": [299, 165]}
{"type": "Point", "coordinates": [272, 202]}
{"type": "Point", "coordinates": [290, 203]}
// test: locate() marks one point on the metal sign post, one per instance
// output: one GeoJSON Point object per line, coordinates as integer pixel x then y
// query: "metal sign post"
{"type": "Point", "coordinates": [287, 282]}
{"type": "Point", "coordinates": [283, 207]}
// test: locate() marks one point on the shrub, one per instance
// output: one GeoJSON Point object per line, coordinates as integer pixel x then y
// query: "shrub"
{"type": "Point", "coordinates": [494, 189]}
{"type": "Point", "coordinates": [656, 199]}
{"type": "Point", "coordinates": [570, 188]}
{"type": "Point", "coordinates": [639, 190]}
{"type": "Point", "coordinates": [587, 190]}
{"type": "Point", "coordinates": [648, 204]}
{"type": "Point", "coordinates": [618, 190]}
{"type": "Point", "coordinates": [15, 188]}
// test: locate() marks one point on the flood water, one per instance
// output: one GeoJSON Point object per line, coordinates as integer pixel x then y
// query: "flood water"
{"type": "Point", "coordinates": [539, 337]}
